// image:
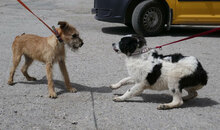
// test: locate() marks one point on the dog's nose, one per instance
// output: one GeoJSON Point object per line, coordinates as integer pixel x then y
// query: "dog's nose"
{"type": "Point", "coordinates": [113, 44]}
{"type": "Point", "coordinates": [81, 44]}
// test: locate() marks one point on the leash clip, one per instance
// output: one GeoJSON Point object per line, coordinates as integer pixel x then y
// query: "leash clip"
{"type": "Point", "coordinates": [158, 47]}
{"type": "Point", "coordinates": [57, 35]}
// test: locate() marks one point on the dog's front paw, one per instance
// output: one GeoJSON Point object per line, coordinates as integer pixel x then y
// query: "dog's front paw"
{"type": "Point", "coordinates": [117, 99]}
{"type": "Point", "coordinates": [72, 90]}
{"type": "Point", "coordinates": [10, 82]}
{"type": "Point", "coordinates": [114, 86]}
{"type": "Point", "coordinates": [52, 95]}
{"type": "Point", "coordinates": [31, 79]}
{"type": "Point", "coordinates": [163, 107]}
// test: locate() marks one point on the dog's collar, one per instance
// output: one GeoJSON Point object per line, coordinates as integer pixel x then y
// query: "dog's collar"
{"type": "Point", "coordinates": [144, 50]}
{"type": "Point", "coordinates": [57, 35]}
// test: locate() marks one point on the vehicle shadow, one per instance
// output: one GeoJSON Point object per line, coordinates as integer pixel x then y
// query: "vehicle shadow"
{"type": "Point", "coordinates": [61, 85]}
{"type": "Point", "coordinates": [191, 30]}
{"type": "Point", "coordinates": [118, 30]}
{"type": "Point", "coordinates": [165, 98]}
{"type": "Point", "coordinates": [174, 31]}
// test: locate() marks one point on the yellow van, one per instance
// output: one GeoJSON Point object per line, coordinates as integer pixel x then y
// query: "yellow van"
{"type": "Point", "coordinates": [150, 17]}
{"type": "Point", "coordinates": [195, 11]}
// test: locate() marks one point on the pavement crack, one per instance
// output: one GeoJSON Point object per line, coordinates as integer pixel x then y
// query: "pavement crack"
{"type": "Point", "coordinates": [93, 109]}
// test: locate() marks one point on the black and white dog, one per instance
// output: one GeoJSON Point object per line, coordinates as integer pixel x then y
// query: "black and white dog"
{"type": "Point", "coordinates": [149, 70]}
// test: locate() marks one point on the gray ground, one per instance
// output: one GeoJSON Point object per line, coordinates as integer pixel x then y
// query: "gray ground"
{"type": "Point", "coordinates": [92, 69]}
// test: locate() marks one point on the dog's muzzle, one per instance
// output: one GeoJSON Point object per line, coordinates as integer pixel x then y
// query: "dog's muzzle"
{"type": "Point", "coordinates": [81, 44]}
{"type": "Point", "coordinates": [114, 47]}
{"type": "Point", "coordinates": [77, 46]}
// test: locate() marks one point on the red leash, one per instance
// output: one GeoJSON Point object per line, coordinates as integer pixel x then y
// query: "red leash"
{"type": "Point", "coordinates": [36, 16]}
{"type": "Point", "coordinates": [54, 31]}
{"type": "Point", "coordinates": [190, 37]}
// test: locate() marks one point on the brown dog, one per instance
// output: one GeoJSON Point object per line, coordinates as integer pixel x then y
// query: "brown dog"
{"type": "Point", "coordinates": [48, 50]}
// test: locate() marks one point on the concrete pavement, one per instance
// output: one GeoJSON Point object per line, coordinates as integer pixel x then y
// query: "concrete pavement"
{"type": "Point", "coordinates": [92, 69]}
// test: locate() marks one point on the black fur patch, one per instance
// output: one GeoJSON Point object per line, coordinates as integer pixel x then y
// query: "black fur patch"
{"type": "Point", "coordinates": [155, 74]}
{"type": "Point", "coordinates": [173, 90]}
{"type": "Point", "coordinates": [174, 57]}
{"type": "Point", "coordinates": [196, 78]}
{"type": "Point", "coordinates": [128, 45]}
{"type": "Point", "coordinates": [156, 55]}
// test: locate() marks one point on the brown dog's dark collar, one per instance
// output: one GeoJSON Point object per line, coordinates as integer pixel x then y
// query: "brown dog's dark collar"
{"type": "Point", "coordinates": [57, 34]}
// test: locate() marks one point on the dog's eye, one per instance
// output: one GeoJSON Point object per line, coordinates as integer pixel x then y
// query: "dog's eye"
{"type": "Point", "coordinates": [75, 35]}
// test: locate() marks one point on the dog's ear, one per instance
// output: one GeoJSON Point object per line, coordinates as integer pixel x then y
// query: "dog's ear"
{"type": "Point", "coordinates": [140, 39]}
{"type": "Point", "coordinates": [65, 27]}
{"type": "Point", "coordinates": [63, 24]}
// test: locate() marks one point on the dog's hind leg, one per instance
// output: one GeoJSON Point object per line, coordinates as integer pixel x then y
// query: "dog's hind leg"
{"type": "Point", "coordinates": [122, 82]}
{"type": "Point", "coordinates": [16, 61]}
{"type": "Point", "coordinates": [177, 96]}
{"type": "Point", "coordinates": [135, 90]}
{"type": "Point", "coordinates": [192, 93]}
{"type": "Point", "coordinates": [24, 69]}
{"type": "Point", "coordinates": [176, 102]}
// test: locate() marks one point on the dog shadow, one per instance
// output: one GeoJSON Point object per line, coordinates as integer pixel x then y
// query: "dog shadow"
{"type": "Point", "coordinates": [174, 31]}
{"type": "Point", "coordinates": [199, 102]}
{"type": "Point", "coordinates": [146, 98]}
{"type": "Point", "coordinates": [165, 98]}
{"type": "Point", "coordinates": [61, 85]}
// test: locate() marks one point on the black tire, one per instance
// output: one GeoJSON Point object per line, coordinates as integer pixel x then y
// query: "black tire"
{"type": "Point", "coordinates": [148, 18]}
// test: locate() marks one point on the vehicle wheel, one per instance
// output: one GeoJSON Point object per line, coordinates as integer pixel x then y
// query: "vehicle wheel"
{"type": "Point", "coordinates": [148, 18]}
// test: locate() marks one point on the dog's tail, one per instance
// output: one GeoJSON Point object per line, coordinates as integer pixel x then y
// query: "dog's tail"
{"type": "Point", "coordinates": [203, 74]}
{"type": "Point", "coordinates": [19, 35]}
